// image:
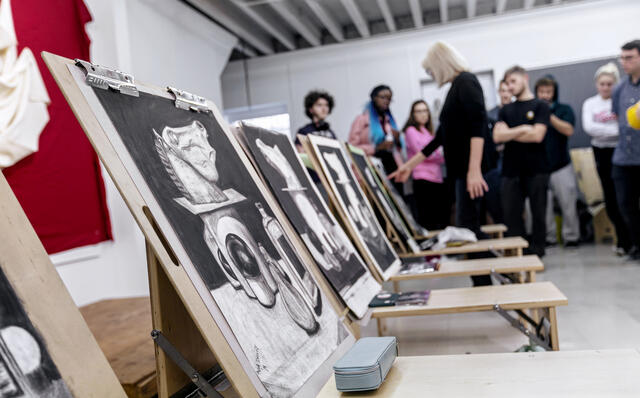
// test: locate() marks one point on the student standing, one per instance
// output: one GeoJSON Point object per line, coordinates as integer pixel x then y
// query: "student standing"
{"type": "Point", "coordinates": [522, 127]}
{"type": "Point", "coordinates": [429, 191]}
{"type": "Point", "coordinates": [317, 106]}
{"type": "Point", "coordinates": [601, 124]}
{"type": "Point", "coordinates": [626, 157]}
{"type": "Point", "coordinates": [375, 131]}
{"type": "Point", "coordinates": [462, 132]}
{"type": "Point", "coordinates": [493, 201]}
{"type": "Point", "coordinates": [562, 180]}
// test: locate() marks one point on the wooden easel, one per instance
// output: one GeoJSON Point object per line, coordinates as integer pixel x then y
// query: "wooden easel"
{"type": "Point", "coordinates": [179, 311]}
{"type": "Point", "coordinates": [49, 306]}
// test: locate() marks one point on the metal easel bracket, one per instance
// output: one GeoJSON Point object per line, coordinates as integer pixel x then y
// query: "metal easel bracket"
{"type": "Point", "coordinates": [188, 101]}
{"type": "Point", "coordinates": [538, 337]}
{"type": "Point", "coordinates": [204, 388]}
{"type": "Point", "coordinates": [108, 78]}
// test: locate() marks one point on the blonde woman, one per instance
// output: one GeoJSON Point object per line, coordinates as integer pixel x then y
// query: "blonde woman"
{"type": "Point", "coordinates": [462, 131]}
{"type": "Point", "coordinates": [599, 121]}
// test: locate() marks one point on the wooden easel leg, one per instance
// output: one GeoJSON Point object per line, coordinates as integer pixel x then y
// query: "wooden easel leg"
{"type": "Point", "coordinates": [356, 330]}
{"type": "Point", "coordinates": [531, 276]}
{"type": "Point", "coordinates": [553, 321]}
{"type": "Point", "coordinates": [382, 328]}
{"type": "Point", "coordinates": [519, 252]}
{"type": "Point", "coordinates": [171, 318]}
{"type": "Point", "coordinates": [396, 286]}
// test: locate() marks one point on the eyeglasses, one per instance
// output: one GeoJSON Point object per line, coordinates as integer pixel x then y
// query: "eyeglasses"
{"type": "Point", "coordinates": [421, 111]}
{"type": "Point", "coordinates": [384, 97]}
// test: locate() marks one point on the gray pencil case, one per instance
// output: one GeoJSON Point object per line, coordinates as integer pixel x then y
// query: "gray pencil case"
{"type": "Point", "coordinates": [365, 366]}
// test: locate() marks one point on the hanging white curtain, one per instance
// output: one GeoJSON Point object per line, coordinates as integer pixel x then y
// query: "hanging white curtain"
{"type": "Point", "coordinates": [23, 96]}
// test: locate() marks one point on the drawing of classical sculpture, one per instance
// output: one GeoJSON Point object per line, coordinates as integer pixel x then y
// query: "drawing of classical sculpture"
{"type": "Point", "coordinates": [190, 161]}
{"type": "Point", "coordinates": [326, 240]}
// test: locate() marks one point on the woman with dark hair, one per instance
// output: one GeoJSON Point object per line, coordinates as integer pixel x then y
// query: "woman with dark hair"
{"type": "Point", "coordinates": [376, 131]}
{"type": "Point", "coordinates": [317, 106]}
{"type": "Point", "coordinates": [429, 189]}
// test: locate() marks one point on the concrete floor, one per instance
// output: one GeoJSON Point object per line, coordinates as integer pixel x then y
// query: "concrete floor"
{"type": "Point", "coordinates": [603, 310]}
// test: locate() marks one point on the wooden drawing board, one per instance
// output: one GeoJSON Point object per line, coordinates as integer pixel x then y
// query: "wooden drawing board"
{"type": "Point", "coordinates": [49, 307]}
{"type": "Point", "coordinates": [379, 197]}
{"type": "Point", "coordinates": [418, 231]}
{"type": "Point", "coordinates": [276, 159]}
{"type": "Point", "coordinates": [312, 145]}
{"type": "Point", "coordinates": [177, 291]}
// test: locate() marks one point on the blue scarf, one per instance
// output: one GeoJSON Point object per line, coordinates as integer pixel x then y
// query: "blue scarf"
{"type": "Point", "coordinates": [376, 130]}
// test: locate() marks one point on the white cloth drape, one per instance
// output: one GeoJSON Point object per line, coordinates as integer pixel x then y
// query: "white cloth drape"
{"type": "Point", "coordinates": [23, 96]}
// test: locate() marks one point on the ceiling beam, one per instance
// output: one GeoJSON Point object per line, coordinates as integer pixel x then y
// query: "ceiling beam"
{"type": "Point", "coordinates": [299, 23]}
{"type": "Point", "coordinates": [231, 18]}
{"type": "Point", "coordinates": [269, 24]}
{"type": "Point", "coordinates": [356, 16]}
{"type": "Point", "coordinates": [528, 4]}
{"type": "Point", "coordinates": [444, 11]}
{"type": "Point", "coordinates": [471, 8]}
{"type": "Point", "coordinates": [327, 20]}
{"type": "Point", "coordinates": [388, 17]}
{"type": "Point", "coordinates": [416, 13]}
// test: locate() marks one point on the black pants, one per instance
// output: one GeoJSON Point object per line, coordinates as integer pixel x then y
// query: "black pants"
{"type": "Point", "coordinates": [514, 192]}
{"type": "Point", "coordinates": [627, 183]}
{"type": "Point", "coordinates": [433, 204]}
{"type": "Point", "coordinates": [468, 214]}
{"type": "Point", "coordinates": [603, 164]}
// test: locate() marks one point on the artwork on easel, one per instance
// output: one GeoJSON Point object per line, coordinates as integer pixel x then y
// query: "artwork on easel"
{"type": "Point", "coordinates": [358, 214]}
{"type": "Point", "coordinates": [374, 185]}
{"type": "Point", "coordinates": [214, 214]}
{"type": "Point", "coordinates": [276, 158]}
{"type": "Point", "coordinates": [26, 369]}
{"type": "Point", "coordinates": [405, 211]}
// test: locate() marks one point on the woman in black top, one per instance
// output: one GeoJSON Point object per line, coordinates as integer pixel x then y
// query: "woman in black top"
{"type": "Point", "coordinates": [462, 132]}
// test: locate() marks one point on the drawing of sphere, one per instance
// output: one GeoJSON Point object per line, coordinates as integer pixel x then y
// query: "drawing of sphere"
{"type": "Point", "coordinates": [23, 347]}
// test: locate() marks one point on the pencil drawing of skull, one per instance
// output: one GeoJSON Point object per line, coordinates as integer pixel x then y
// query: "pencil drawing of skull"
{"type": "Point", "coordinates": [328, 240]}
{"type": "Point", "coordinates": [190, 161]}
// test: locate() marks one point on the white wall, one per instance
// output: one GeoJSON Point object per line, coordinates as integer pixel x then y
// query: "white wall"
{"type": "Point", "coordinates": [162, 42]}
{"type": "Point", "coordinates": [553, 35]}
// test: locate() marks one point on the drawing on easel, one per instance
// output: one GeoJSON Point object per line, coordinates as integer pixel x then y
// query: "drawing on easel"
{"type": "Point", "coordinates": [375, 186]}
{"type": "Point", "coordinates": [26, 369]}
{"type": "Point", "coordinates": [277, 160]}
{"type": "Point", "coordinates": [358, 213]}
{"type": "Point", "coordinates": [404, 209]}
{"type": "Point", "coordinates": [212, 211]}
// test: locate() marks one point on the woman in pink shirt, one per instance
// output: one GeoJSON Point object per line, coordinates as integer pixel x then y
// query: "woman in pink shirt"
{"type": "Point", "coordinates": [432, 199]}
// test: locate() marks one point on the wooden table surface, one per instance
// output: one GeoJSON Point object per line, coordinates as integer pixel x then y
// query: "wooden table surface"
{"type": "Point", "coordinates": [481, 266]}
{"type": "Point", "coordinates": [475, 247]}
{"type": "Point", "coordinates": [122, 328]}
{"type": "Point", "coordinates": [606, 373]}
{"type": "Point", "coordinates": [481, 298]}
{"type": "Point", "coordinates": [489, 229]}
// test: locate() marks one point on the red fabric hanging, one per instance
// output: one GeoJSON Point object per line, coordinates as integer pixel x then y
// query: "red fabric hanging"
{"type": "Point", "coordinates": [60, 187]}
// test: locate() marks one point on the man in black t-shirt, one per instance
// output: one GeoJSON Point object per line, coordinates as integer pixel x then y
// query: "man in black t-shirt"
{"type": "Point", "coordinates": [522, 127]}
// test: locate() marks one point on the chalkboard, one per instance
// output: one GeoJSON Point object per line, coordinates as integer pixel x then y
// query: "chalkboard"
{"type": "Point", "coordinates": [576, 84]}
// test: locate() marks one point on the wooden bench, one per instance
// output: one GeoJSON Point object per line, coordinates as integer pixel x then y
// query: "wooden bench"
{"type": "Point", "coordinates": [122, 328]}
{"type": "Point", "coordinates": [536, 296]}
{"type": "Point", "coordinates": [514, 245]}
{"type": "Point", "coordinates": [528, 265]}
{"type": "Point", "coordinates": [495, 230]}
{"type": "Point", "coordinates": [602, 373]}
